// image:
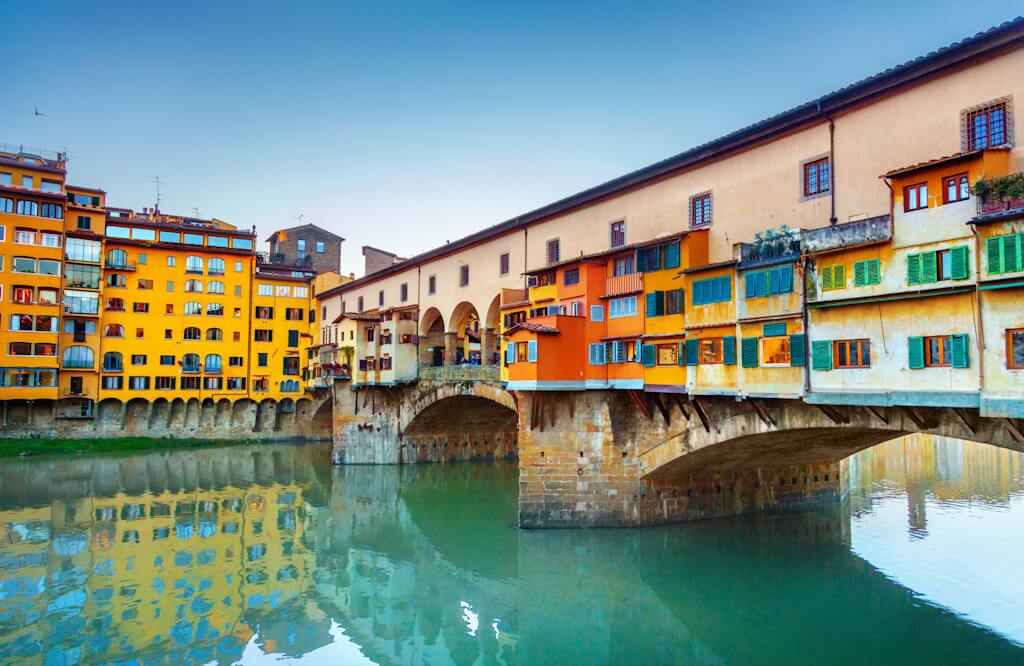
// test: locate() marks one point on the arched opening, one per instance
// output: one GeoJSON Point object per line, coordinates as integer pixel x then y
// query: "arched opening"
{"type": "Point", "coordinates": [431, 339]}
{"type": "Point", "coordinates": [462, 427]}
{"type": "Point", "coordinates": [465, 331]}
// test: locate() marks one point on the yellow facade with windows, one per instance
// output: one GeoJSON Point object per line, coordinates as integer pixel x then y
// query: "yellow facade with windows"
{"type": "Point", "coordinates": [282, 307]}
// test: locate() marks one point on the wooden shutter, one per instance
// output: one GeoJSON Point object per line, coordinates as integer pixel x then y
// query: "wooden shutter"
{"type": "Point", "coordinates": [652, 304]}
{"type": "Point", "coordinates": [821, 355]}
{"type": "Point", "coordinates": [1011, 254]}
{"type": "Point", "coordinates": [785, 279]}
{"type": "Point", "coordinates": [913, 269]}
{"type": "Point", "coordinates": [729, 350]}
{"type": "Point", "coordinates": [750, 285]}
{"type": "Point", "coordinates": [860, 273]}
{"type": "Point", "coordinates": [839, 276]}
{"type": "Point", "coordinates": [691, 351]}
{"type": "Point", "coordinates": [672, 255]}
{"type": "Point", "coordinates": [958, 346]}
{"type": "Point", "coordinates": [827, 283]}
{"type": "Point", "coordinates": [915, 352]}
{"type": "Point", "coordinates": [774, 281]}
{"type": "Point", "coordinates": [681, 353]}
{"type": "Point", "coordinates": [531, 351]}
{"type": "Point", "coordinates": [929, 267]}
{"type": "Point", "coordinates": [797, 350]}
{"type": "Point", "coordinates": [958, 260]}
{"type": "Point", "coordinates": [874, 271]}
{"type": "Point", "coordinates": [774, 329]}
{"type": "Point", "coordinates": [994, 255]}
{"type": "Point", "coordinates": [748, 352]}
{"type": "Point", "coordinates": [647, 356]}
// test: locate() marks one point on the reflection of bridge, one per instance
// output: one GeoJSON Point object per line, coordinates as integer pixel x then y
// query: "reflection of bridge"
{"type": "Point", "coordinates": [417, 564]}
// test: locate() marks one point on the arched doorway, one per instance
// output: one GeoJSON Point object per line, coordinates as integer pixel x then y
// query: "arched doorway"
{"type": "Point", "coordinates": [466, 331]}
{"type": "Point", "coordinates": [431, 339]}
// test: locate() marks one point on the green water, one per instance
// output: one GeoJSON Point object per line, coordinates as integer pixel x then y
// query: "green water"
{"type": "Point", "coordinates": [261, 554]}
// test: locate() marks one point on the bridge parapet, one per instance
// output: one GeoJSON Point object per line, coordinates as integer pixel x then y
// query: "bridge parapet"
{"type": "Point", "coordinates": [461, 373]}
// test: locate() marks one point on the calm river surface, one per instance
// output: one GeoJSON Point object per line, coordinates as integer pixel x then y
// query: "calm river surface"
{"type": "Point", "coordinates": [263, 554]}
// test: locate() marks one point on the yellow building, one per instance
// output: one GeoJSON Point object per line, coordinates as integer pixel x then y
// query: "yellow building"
{"type": "Point", "coordinates": [283, 315]}
{"type": "Point", "coordinates": [32, 202]}
{"type": "Point", "coordinates": [175, 320]}
{"type": "Point", "coordinates": [79, 337]}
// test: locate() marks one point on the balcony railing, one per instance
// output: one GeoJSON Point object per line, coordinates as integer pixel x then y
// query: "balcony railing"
{"type": "Point", "coordinates": [190, 369]}
{"type": "Point", "coordinates": [74, 393]}
{"type": "Point", "coordinates": [461, 373]}
{"type": "Point", "coordinates": [989, 206]}
{"type": "Point", "coordinates": [848, 234]}
{"type": "Point", "coordinates": [119, 265]}
{"type": "Point", "coordinates": [624, 284]}
{"type": "Point", "coordinates": [77, 363]}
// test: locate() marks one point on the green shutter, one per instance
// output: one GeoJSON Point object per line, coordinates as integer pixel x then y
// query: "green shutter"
{"type": "Point", "coordinates": [691, 351]}
{"type": "Point", "coordinates": [992, 250]}
{"type": "Point", "coordinates": [1011, 254]}
{"type": "Point", "coordinates": [775, 329]}
{"type": "Point", "coordinates": [929, 267]}
{"type": "Point", "coordinates": [647, 356]}
{"type": "Point", "coordinates": [729, 350]}
{"type": "Point", "coordinates": [672, 255]}
{"type": "Point", "coordinates": [748, 352]}
{"type": "Point", "coordinates": [958, 346]}
{"type": "Point", "coordinates": [797, 350]}
{"type": "Point", "coordinates": [913, 269]}
{"type": "Point", "coordinates": [874, 271]}
{"type": "Point", "coordinates": [958, 261]}
{"type": "Point", "coordinates": [681, 353]}
{"type": "Point", "coordinates": [652, 305]}
{"type": "Point", "coordinates": [826, 278]}
{"type": "Point", "coordinates": [838, 276]}
{"type": "Point", "coordinates": [860, 273]}
{"type": "Point", "coordinates": [915, 352]}
{"type": "Point", "coordinates": [641, 265]}
{"type": "Point", "coordinates": [821, 354]}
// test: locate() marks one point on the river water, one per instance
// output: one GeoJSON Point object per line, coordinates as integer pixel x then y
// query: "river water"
{"type": "Point", "coordinates": [263, 554]}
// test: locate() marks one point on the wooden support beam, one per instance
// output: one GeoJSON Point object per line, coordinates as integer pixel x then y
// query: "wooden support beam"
{"type": "Point", "coordinates": [834, 414]}
{"type": "Point", "coordinates": [552, 410]}
{"type": "Point", "coordinates": [879, 415]}
{"type": "Point", "coordinates": [661, 408]}
{"type": "Point", "coordinates": [961, 414]}
{"type": "Point", "coordinates": [572, 405]}
{"type": "Point", "coordinates": [533, 411]}
{"type": "Point", "coordinates": [762, 412]}
{"type": "Point", "coordinates": [1014, 431]}
{"type": "Point", "coordinates": [542, 405]}
{"type": "Point", "coordinates": [913, 416]}
{"type": "Point", "coordinates": [702, 414]}
{"type": "Point", "coordinates": [680, 402]}
{"type": "Point", "coordinates": [639, 402]}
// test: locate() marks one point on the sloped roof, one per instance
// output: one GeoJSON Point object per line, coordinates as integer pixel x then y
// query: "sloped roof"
{"type": "Point", "coordinates": [304, 226]}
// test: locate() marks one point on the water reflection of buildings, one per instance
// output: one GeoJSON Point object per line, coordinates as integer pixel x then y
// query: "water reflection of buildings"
{"type": "Point", "coordinates": [944, 468]}
{"type": "Point", "coordinates": [188, 574]}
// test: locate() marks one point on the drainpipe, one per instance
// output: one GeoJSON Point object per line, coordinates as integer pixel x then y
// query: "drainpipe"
{"type": "Point", "coordinates": [807, 327]}
{"type": "Point", "coordinates": [978, 319]}
{"type": "Point", "coordinates": [831, 163]}
{"type": "Point", "coordinates": [419, 305]}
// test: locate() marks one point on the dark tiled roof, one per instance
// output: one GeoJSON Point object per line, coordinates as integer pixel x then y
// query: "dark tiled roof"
{"type": "Point", "coordinates": [536, 328]}
{"type": "Point", "coordinates": [955, 157]}
{"type": "Point", "coordinates": [1008, 34]}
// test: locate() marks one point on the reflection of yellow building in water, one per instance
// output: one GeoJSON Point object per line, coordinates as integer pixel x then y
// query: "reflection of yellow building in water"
{"type": "Point", "coordinates": [188, 571]}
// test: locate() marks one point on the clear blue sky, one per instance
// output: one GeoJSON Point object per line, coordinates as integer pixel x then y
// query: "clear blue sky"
{"type": "Point", "coordinates": [402, 126]}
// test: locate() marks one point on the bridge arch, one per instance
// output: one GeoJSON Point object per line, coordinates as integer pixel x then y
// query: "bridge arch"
{"type": "Point", "coordinates": [459, 421]}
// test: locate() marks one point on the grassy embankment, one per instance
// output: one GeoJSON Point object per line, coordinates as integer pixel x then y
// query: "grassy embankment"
{"type": "Point", "coordinates": [36, 447]}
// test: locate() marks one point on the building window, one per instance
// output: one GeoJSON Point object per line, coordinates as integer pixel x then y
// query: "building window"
{"type": "Point", "coordinates": [668, 354]}
{"type": "Point", "coordinates": [622, 307]}
{"type": "Point", "coordinates": [571, 276]}
{"type": "Point", "coordinates": [140, 307]}
{"type": "Point", "coordinates": [986, 127]}
{"type": "Point", "coordinates": [816, 177]}
{"type": "Point", "coordinates": [320, 247]}
{"type": "Point", "coordinates": [403, 294]}
{"type": "Point", "coordinates": [1015, 349]}
{"type": "Point", "coordinates": [937, 351]}
{"type": "Point", "coordinates": [463, 275]}
{"type": "Point", "coordinates": [554, 251]}
{"type": "Point", "coordinates": [380, 298]}
{"type": "Point", "coordinates": [617, 234]}
{"type": "Point", "coordinates": [700, 210]}
{"type": "Point", "coordinates": [84, 223]}
{"type": "Point", "coordinates": [710, 351]}
{"type": "Point", "coordinates": [712, 290]}
{"type": "Point", "coordinates": [775, 350]}
{"type": "Point", "coordinates": [503, 264]}
{"type": "Point", "coordinates": [359, 304]}
{"type": "Point", "coordinates": [674, 301]}
{"type": "Point", "coordinates": [194, 265]}
{"type": "Point", "coordinates": [263, 335]}
{"type": "Point", "coordinates": [915, 197]}
{"type": "Point", "coordinates": [957, 188]}
{"type": "Point", "coordinates": [623, 265]}
{"type": "Point", "coordinates": [138, 359]}
{"type": "Point", "coordinates": [262, 359]}
{"type": "Point", "coordinates": [852, 353]}
{"type": "Point", "coordinates": [167, 359]}
{"type": "Point", "coordinates": [431, 285]}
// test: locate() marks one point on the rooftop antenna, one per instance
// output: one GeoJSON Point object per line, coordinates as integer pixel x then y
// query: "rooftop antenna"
{"type": "Point", "coordinates": [299, 218]}
{"type": "Point", "coordinates": [195, 212]}
{"type": "Point", "coordinates": [156, 179]}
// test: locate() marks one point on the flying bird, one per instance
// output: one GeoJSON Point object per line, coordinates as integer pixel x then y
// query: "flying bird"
{"type": "Point", "coordinates": [38, 112]}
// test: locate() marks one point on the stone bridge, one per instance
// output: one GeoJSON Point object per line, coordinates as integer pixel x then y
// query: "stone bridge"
{"type": "Point", "coordinates": [630, 458]}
